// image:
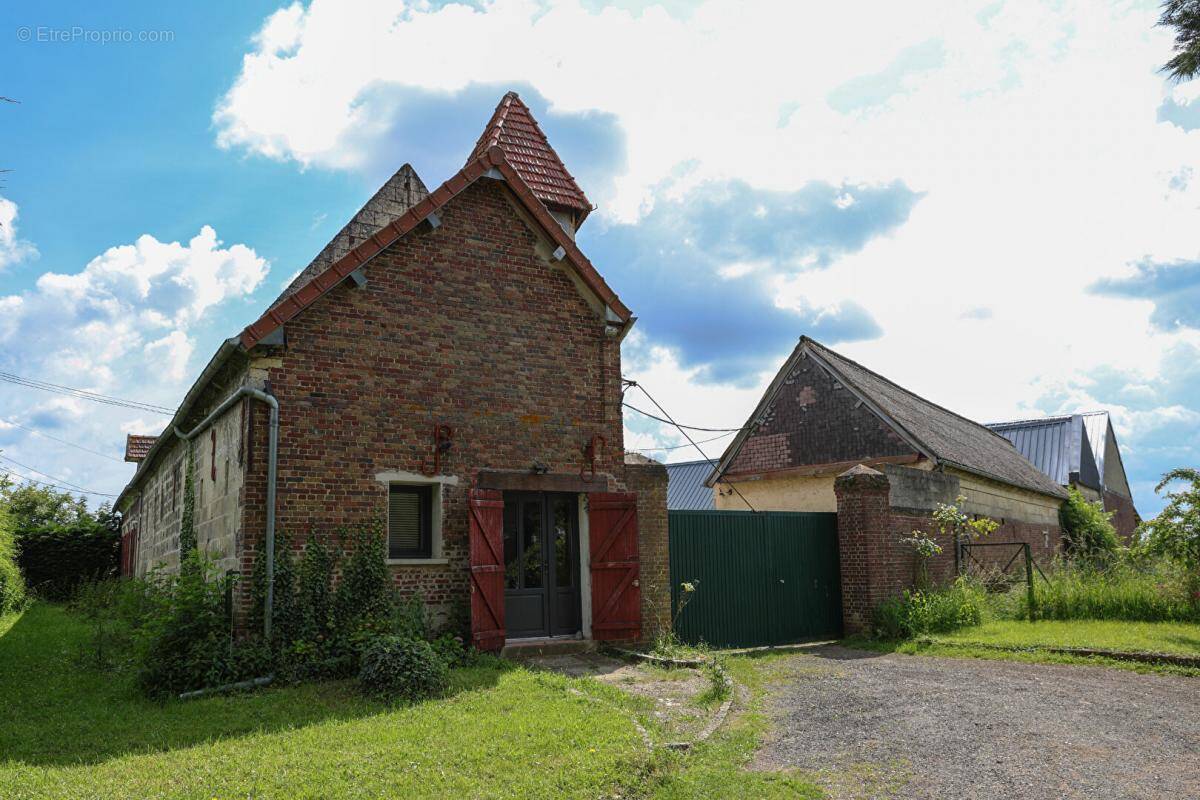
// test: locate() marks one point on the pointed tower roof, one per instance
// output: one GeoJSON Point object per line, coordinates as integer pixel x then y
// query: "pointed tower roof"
{"type": "Point", "coordinates": [514, 130]}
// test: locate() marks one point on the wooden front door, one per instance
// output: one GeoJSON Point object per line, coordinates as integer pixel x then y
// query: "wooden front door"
{"type": "Point", "coordinates": [541, 564]}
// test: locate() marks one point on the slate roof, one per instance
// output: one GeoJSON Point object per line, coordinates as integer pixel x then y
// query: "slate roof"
{"type": "Point", "coordinates": [941, 435]}
{"type": "Point", "coordinates": [513, 129]}
{"type": "Point", "coordinates": [1058, 446]}
{"type": "Point", "coordinates": [137, 446]}
{"type": "Point", "coordinates": [686, 490]}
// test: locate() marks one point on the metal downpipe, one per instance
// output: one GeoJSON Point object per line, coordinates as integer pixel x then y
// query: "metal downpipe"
{"type": "Point", "coordinates": [272, 459]}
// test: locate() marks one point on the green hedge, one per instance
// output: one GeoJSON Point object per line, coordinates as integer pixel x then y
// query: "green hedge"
{"type": "Point", "coordinates": [57, 559]}
{"type": "Point", "coordinates": [12, 585]}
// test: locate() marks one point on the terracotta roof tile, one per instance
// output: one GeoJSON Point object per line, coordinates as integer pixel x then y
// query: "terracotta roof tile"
{"type": "Point", "coordinates": [136, 447]}
{"type": "Point", "coordinates": [514, 130]}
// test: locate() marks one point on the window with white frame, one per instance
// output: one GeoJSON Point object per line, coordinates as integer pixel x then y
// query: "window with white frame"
{"type": "Point", "coordinates": [414, 516]}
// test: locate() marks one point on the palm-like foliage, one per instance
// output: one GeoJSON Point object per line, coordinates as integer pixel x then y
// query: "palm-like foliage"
{"type": "Point", "coordinates": [1184, 17]}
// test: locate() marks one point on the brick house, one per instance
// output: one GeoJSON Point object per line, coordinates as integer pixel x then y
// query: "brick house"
{"type": "Point", "coordinates": [447, 368]}
{"type": "Point", "coordinates": [831, 435]}
{"type": "Point", "coordinates": [1080, 451]}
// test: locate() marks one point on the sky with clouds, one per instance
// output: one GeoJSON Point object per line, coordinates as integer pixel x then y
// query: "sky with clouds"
{"type": "Point", "coordinates": [996, 204]}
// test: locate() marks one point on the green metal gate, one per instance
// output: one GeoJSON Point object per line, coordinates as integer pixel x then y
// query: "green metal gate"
{"type": "Point", "coordinates": [766, 578]}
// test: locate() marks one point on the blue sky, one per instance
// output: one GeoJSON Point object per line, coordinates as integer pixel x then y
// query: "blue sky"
{"type": "Point", "coordinates": [993, 203]}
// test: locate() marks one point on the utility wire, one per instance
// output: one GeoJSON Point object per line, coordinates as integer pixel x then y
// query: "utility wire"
{"type": "Point", "coordinates": [74, 486]}
{"type": "Point", "coordinates": [673, 422]}
{"type": "Point", "coordinates": [52, 485]}
{"type": "Point", "coordinates": [678, 446]}
{"type": "Point", "coordinates": [60, 441]}
{"type": "Point", "coordinates": [689, 438]}
{"type": "Point", "coordinates": [83, 394]}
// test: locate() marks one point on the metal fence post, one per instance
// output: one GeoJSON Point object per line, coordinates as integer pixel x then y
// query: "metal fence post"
{"type": "Point", "coordinates": [1029, 582]}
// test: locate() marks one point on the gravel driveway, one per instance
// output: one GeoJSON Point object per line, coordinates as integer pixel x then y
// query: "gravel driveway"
{"type": "Point", "coordinates": [875, 726]}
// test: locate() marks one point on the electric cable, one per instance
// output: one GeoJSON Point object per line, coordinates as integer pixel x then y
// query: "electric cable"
{"type": "Point", "coordinates": [689, 438]}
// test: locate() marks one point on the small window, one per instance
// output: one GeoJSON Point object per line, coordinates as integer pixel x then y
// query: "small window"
{"type": "Point", "coordinates": [409, 522]}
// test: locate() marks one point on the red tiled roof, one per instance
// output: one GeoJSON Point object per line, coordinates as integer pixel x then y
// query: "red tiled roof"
{"type": "Point", "coordinates": [136, 447]}
{"type": "Point", "coordinates": [514, 130]}
{"type": "Point", "coordinates": [493, 158]}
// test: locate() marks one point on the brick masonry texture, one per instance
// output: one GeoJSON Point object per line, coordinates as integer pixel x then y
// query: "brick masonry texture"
{"type": "Point", "coordinates": [815, 421]}
{"type": "Point", "coordinates": [1124, 518]}
{"type": "Point", "coordinates": [463, 325]}
{"type": "Point", "coordinates": [650, 483]}
{"type": "Point", "coordinates": [875, 565]}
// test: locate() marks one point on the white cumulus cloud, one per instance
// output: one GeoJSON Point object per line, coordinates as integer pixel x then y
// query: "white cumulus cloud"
{"type": "Point", "coordinates": [122, 326]}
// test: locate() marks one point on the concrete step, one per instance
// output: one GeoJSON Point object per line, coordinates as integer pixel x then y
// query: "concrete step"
{"type": "Point", "coordinates": [518, 649]}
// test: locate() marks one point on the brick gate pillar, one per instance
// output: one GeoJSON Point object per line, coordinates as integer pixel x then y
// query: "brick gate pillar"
{"type": "Point", "coordinates": [649, 480]}
{"type": "Point", "coordinates": [864, 544]}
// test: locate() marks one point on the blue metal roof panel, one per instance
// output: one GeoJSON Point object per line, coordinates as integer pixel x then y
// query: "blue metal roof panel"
{"type": "Point", "coordinates": [1044, 442]}
{"type": "Point", "coordinates": [686, 490]}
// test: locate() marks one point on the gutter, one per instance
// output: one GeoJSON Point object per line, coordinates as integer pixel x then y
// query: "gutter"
{"type": "Point", "coordinates": [272, 459]}
{"type": "Point", "coordinates": [227, 349]}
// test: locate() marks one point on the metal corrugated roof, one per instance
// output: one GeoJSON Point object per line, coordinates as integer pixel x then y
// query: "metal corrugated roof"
{"type": "Point", "coordinates": [1058, 446]}
{"type": "Point", "coordinates": [1096, 424]}
{"type": "Point", "coordinates": [686, 490]}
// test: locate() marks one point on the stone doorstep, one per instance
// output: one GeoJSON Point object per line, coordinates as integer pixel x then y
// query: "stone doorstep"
{"type": "Point", "coordinates": [519, 649]}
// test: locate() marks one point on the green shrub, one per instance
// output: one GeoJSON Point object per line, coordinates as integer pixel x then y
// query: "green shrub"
{"type": "Point", "coordinates": [58, 559]}
{"type": "Point", "coordinates": [410, 618]}
{"type": "Point", "coordinates": [12, 586]}
{"type": "Point", "coordinates": [935, 611]}
{"type": "Point", "coordinates": [12, 583]}
{"type": "Point", "coordinates": [1130, 589]}
{"type": "Point", "coordinates": [396, 668]}
{"type": "Point", "coordinates": [184, 642]}
{"type": "Point", "coordinates": [1089, 532]}
{"type": "Point", "coordinates": [452, 650]}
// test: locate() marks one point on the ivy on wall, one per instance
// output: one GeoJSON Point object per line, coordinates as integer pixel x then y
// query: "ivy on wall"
{"type": "Point", "coordinates": [187, 526]}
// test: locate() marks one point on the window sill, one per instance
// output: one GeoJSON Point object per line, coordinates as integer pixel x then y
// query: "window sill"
{"type": "Point", "coordinates": [416, 562]}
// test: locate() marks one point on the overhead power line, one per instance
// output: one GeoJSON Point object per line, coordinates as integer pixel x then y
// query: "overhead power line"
{"type": "Point", "coordinates": [72, 486]}
{"type": "Point", "coordinates": [51, 485]}
{"type": "Point", "coordinates": [679, 446]}
{"type": "Point", "coordinates": [671, 421]}
{"type": "Point", "coordinates": [36, 432]}
{"type": "Point", "coordinates": [83, 394]}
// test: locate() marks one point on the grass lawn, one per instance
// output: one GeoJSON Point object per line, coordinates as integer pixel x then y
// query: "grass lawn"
{"type": "Point", "coordinates": [716, 769]}
{"type": "Point", "coordinates": [68, 731]}
{"type": "Point", "coordinates": [1156, 637]}
{"type": "Point", "coordinates": [1148, 637]}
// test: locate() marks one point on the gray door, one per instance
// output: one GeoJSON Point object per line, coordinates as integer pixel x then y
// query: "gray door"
{"type": "Point", "coordinates": [541, 564]}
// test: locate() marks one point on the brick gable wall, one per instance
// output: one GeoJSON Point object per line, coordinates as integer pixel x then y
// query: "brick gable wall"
{"type": "Point", "coordinates": [463, 325]}
{"type": "Point", "coordinates": [813, 420]}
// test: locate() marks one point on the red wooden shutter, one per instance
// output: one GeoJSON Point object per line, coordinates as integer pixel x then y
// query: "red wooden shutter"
{"type": "Point", "coordinates": [616, 587]}
{"type": "Point", "coordinates": [487, 568]}
{"type": "Point", "coordinates": [129, 552]}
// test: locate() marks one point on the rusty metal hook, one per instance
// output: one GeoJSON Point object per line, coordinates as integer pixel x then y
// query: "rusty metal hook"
{"type": "Point", "coordinates": [589, 453]}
